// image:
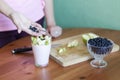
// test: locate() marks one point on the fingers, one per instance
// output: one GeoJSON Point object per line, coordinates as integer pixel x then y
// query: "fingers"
{"type": "Point", "coordinates": [17, 21]}
{"type": "Point", "coordinates": [19, 31]}
{"type": "Point", "coordinates": [32, 33]}
{"type": "Point", "coordinates": [23, 24]}
{"type": "Point", "coordinates": [35, 30]}
{"type": "Point", "coordinates": [38, 26]}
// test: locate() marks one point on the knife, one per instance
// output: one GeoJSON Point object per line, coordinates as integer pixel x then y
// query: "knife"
{"type": "Point", "coordinates": [20, 50]}
{"type": "Point", "coordinates": [25, 49]}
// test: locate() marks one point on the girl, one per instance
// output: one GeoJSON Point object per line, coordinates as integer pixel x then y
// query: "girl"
{"type": "Point", "coordinates": [17, 17]}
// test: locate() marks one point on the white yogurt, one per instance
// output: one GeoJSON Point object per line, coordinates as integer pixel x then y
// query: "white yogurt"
{"type": "Point", "coordinates": [41, 47]}
{"type": "Point", "coordinates": [41, 54]}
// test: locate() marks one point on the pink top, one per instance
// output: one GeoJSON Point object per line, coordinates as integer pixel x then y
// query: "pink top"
{"type": "Point", "coordinates": [33, 9]}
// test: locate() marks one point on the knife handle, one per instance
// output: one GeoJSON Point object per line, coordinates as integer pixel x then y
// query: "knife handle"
{"type": "Point", "coordinates": [19, 50]}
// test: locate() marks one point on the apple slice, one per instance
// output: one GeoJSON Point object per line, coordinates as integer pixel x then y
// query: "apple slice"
{"type": "Point", "coordinates": [88, 36]}
{"type": "Point", "coordinates": [61, 50]}
{"type": "Point", "coordinates": [41, 40]}
{"type": "Point", "coordinates": [85, 38]}
{"type": "Point", "coordinates": [92, 35]}
{"type": "Point", "coordinates": [73, 43]}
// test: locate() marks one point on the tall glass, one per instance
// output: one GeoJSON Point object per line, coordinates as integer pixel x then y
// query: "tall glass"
{"type": "Point", "coordinates": [99, 52]}
{"type": "Point", "coordinates": [41, 49]}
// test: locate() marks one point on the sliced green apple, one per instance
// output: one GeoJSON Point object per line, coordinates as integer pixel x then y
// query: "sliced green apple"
{"type": "Point", "coordinates": [61, 50]}
{"type": "Point", "coordinates": [92, 35]}
{"type": "Point", "coordinates": [85, 38]}
{"type": "Point", "coordinates": [73, 43]}
{"type": "Point", "coordinates": [41, 40]}
{"type": "Point", "coordinates": [88, 36]}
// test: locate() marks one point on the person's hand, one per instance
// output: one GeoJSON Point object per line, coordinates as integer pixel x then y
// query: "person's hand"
{"type": "Point", "coordinates": [24, 24]}
{"type": "Point", "coordinates": [55, 31]}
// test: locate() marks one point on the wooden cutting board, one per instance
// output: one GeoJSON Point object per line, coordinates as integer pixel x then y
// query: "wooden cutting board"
{"type": "Point", "coordinates": [72, 55]}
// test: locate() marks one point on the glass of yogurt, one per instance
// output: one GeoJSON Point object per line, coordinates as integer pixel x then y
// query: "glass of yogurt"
{"type": "Point", "coordinates": [41, 47]}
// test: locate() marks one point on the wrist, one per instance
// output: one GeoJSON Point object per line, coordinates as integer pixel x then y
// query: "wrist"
{"type": "Point", "coordinates": [51, 25]}
{"type": "Point", "coordinates": [5, 8]}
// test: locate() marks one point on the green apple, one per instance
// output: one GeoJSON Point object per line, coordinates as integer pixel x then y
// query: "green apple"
{"type": "Point", "coordinates": [92, 35]}
{"type": "Point", "coordinates": [86, 37]}
{"type": "Point", "coordinates": [41, 40]}
{"type": "Point", "coordinates": [73, 43]}
{"type": "Point", "coordinates": [61, 50]}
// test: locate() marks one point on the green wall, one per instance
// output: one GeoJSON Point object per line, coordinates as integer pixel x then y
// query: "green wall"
{"type": "Point", "coordinates": [88, 13]}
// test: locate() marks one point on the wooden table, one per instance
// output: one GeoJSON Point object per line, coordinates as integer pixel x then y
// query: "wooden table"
{"type": "Point", "coordinates": [21, 66]}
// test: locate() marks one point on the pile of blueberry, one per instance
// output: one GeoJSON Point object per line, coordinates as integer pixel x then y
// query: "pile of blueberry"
{"type": "Point", "coordinates": [34, 29]}
{"type": "Point", "coordinates": [100, 45]}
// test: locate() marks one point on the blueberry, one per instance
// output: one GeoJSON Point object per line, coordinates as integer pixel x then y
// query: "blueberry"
{"type": "Point", "coordinates": [100, 45]}
{"type": "Point", "coordinates": [34, 29]}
